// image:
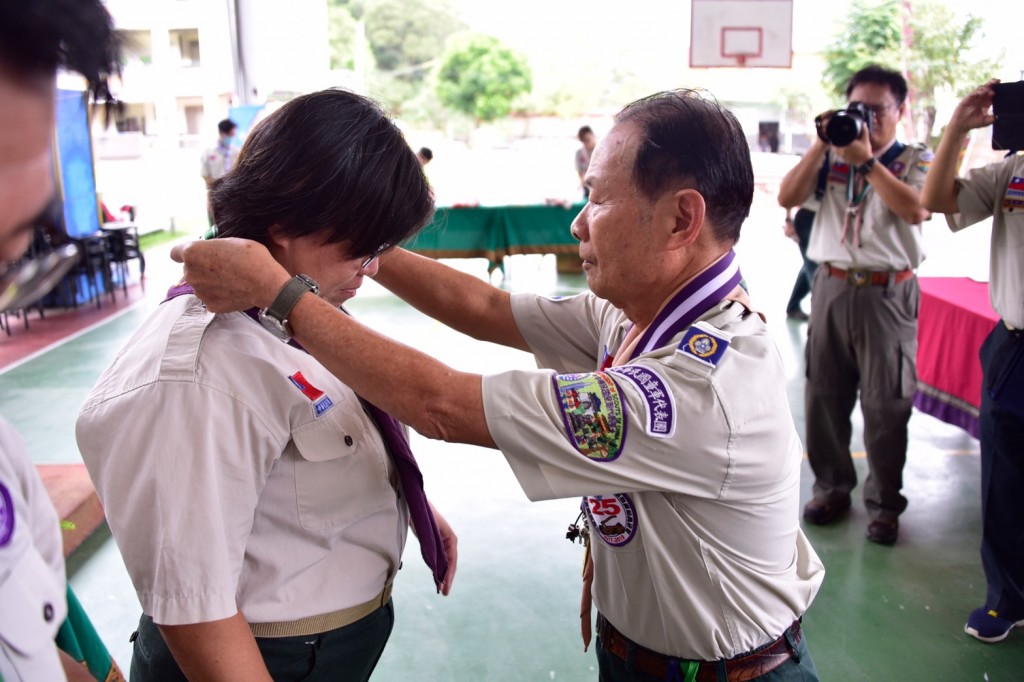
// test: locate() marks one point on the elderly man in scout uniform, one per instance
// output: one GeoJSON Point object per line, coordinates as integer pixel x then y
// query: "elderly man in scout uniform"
{"type": "Point", "coordinates": [661, 400]}
{"type": "Point", "coordinates": [997, 192]}
{"type": "Point", "coordinates": [863, 330]}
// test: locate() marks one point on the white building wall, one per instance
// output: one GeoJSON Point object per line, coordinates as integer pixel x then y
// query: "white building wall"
{"type": "Point", "coordinates": [283, 47]}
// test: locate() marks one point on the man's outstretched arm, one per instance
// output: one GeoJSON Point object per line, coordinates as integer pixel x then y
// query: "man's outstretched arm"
{"type": "Point", "coordinates": [461, 301]}
{"type": "Point", "coordinates": [429, 396]}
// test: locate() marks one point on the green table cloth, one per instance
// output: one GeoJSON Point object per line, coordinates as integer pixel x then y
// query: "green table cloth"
{"type": "Point", "coordinates": [493, 232]}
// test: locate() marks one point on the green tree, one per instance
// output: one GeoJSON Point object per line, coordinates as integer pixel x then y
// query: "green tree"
{"type": "Point", "coordinates": [392, 44]}
{"type": "Point", "coordinates": [405, 35]}
{"type": "Point", "coordinates": [873, 34]}
{"type": "Point", "coordinates": [341, 34]}
{"type": "Point", "coordinates": [924, 39]}
{"type": "Point", "coordinates": [481, 77]}
{"type": "Point", "coordinates": [939, 59]}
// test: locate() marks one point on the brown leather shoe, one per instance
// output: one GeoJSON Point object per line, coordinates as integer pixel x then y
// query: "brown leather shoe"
{"type": "Point", "coordinates": [821, 512]}
{"type": "Point", "coordinates": [884, 532]}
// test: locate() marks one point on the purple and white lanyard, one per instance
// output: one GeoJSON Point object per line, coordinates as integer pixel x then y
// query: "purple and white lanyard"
{"type": "Point", "coordinates": [696, 298]}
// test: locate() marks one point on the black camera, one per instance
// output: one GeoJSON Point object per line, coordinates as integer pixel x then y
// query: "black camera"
{"type": "Point", "coordinates": [1008, 107]}
{"type": "Point", "coordinates": [844, 125]}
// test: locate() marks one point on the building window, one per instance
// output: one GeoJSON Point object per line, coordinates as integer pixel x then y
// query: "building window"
{"type": "Point", "coordinates": [137, 48]}
{"type": "Point", "coordinates": [185, 43]}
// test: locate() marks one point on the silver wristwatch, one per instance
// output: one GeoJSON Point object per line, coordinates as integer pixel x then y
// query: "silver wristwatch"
{"type": "Point", "coordinates": [275, 318]}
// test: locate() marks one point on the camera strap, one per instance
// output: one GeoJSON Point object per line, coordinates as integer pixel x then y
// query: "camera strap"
{"type": "Point", "coordinates": [857, 188]}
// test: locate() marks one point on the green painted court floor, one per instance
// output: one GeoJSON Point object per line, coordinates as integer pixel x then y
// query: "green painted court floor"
{"type": "Point", "coordinates": [884, 613]}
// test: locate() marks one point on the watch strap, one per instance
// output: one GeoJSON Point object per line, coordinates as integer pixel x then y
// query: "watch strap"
{"type": "Point", "coordinates": [289, 295]}
{"type": "Point", "coordinates": [867, 166]}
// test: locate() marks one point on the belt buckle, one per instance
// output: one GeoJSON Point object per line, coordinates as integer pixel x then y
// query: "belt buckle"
{"type": "Point", "coordinates": [858, 278]}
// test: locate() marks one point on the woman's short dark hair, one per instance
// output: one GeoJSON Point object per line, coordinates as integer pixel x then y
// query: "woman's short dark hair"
{"type": "Point", "coordinates": [328, 163]}
{"type": "Point", "coordinates": [687, 137]}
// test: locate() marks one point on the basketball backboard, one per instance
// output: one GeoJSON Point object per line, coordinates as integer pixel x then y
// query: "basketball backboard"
{"type": "Point", "coordinates": [741, 33]}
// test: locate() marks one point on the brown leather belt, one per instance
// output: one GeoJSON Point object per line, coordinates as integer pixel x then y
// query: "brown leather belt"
{"type": "Point", "coordinates": [739, 669]}
{"type": "Point", "coordinates": [863, 278]}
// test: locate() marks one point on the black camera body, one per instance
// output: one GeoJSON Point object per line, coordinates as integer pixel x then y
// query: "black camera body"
{"type": "Point", "coordinates": [1008, 107]}
{"type": "Point", "coordinates": [844, 126]}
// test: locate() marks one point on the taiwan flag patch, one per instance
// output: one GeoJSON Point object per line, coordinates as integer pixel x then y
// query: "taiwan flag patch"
{"type": "Point", "coordinates": [322, 402]}
{"type": "Point", "coordinates": [1013, 200]}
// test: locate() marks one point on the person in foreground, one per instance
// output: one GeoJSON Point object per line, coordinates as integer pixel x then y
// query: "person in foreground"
{"type": "Point", "coordinates": [36, 39]}
{"type": "Point", "coordinates": [662, 399]}
{"type": "Point", "coordinates": [260, 504]}
{"type": "Point", "coordinates": [862, 336]}
{"type": "Point", "coordinates": [995, 191]}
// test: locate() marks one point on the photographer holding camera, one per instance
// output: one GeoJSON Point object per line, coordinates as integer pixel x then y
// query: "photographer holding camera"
{"type": "Point", "coordinates": [863, 328]}
{"type": "Point", "coordinates": [995, 191]}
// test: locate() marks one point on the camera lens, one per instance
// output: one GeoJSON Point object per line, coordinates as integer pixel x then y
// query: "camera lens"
{"type": "Point", "coordinates": [843, 128]}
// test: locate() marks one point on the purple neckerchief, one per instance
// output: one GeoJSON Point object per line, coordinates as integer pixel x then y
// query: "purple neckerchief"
{"type": "Point", "coordinates": [692, 301]}
{"type": "Point", "coordinates": [409, 475]}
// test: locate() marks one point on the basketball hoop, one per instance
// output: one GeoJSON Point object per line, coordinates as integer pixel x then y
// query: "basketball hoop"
{"type": "Point", "coordinates": [741, 33]}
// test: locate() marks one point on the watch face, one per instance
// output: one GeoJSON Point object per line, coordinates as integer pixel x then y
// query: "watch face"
{"type": "Point", "coordinates": [278, 328]}
{"type": "Point", "coordinates": [311, 283]}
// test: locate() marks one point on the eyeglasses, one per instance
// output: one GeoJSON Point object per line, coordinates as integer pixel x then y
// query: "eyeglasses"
{"type": "Point", "coordinates": [368, 261]}
{"type": "Point", "coordinates": [879, 109]}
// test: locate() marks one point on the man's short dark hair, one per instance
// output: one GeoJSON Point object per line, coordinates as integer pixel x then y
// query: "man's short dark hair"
{"type": "Point", "coordinates": [329, 163]}
{"type": "Point", "coordinates": [426, 153]}
{"type": "Point", "coordinates": [879, 75]}
{"type": "Point", "coordinates": [38, 36]}
{"type": "Point", "coordinates": [688, 138]}
{"type": "Point", "coordinates": [226, 126]}
{"type": "Point", "coordinates": [584, 130]}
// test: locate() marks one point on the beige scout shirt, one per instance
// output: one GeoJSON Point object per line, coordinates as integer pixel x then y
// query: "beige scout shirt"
{"type": "Point", "coordinates": [997, 191]}
{"type": "Point", "coordinates": [229, 479]}
{"type": "Point", "coordinates": [216, 162]}
{"type": "Point", "coordinates": [886, 241]}
{"type": "Point", "coordinates": [692, 498]}
{"type": "Point", "coordinates": [32, 583]}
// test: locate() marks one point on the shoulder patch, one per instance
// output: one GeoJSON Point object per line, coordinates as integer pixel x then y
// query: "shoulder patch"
{"type": "Point", "coordinates": [924, 160]}
{"type": "Point", "coordinates": [594, 414]}
{"type": "Point", "coordinates": [661, 409]}
{"type": "Point", "coordinates": [704, 344]}
{"type": "Point", "coordinates": [6, 516]}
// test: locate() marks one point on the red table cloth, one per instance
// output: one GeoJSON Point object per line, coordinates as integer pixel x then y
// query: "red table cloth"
{"type": "Point", "coordinates": [954, 320]}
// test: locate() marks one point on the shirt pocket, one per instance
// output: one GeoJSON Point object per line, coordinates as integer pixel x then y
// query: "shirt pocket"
{"type": "Point", "coordinates": [341, 471]}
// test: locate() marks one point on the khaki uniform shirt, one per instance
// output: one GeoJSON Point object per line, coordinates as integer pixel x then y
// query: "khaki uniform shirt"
{"type": "Point", "coordinates": [238, 474]}
{"type": "Point", "coordinates": [689, 464]}
{"type": "Point", "coordinates": [216, 163]}
{"type": "Point", "coordinates": [997, 191]}
{"type": "Point", "coordinates": [886, 241]}
{"type": "Point", "coordinates": [33, 589]}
